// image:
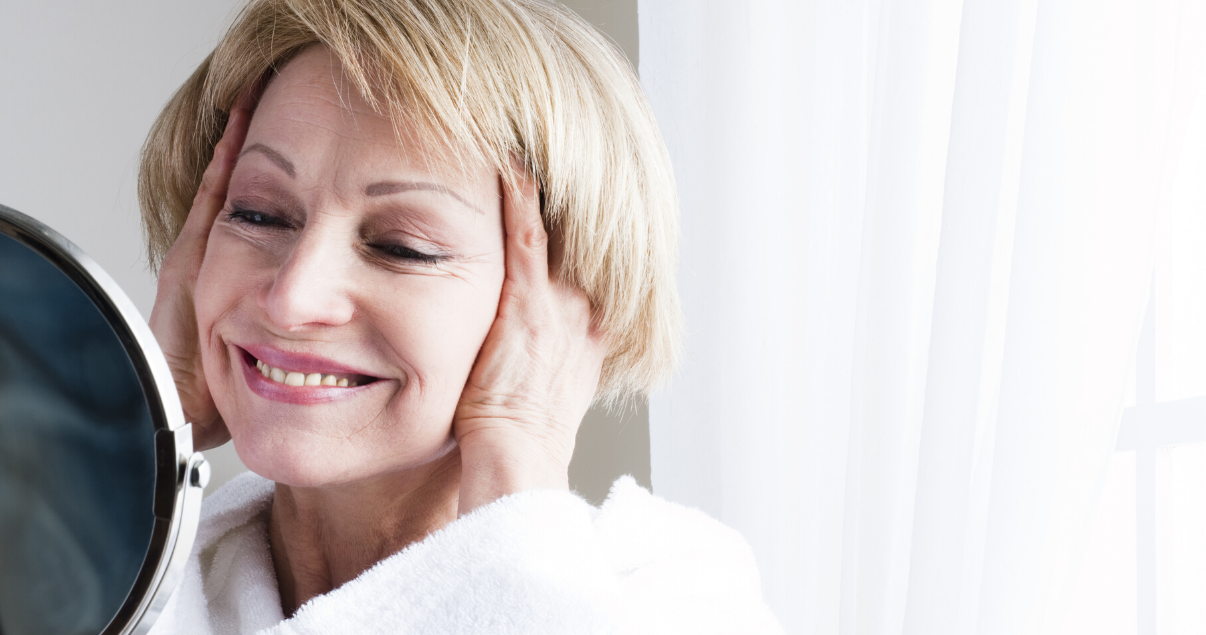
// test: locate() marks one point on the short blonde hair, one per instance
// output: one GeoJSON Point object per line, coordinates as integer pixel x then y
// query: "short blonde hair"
{"type": "Point", "coordinates": [493, 80]}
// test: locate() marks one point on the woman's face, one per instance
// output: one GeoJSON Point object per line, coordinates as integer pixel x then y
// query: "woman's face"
{"type": "Point", "coordinates": [343, 254]}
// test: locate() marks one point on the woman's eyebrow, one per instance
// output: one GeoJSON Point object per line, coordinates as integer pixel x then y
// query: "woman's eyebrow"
{"type": "Point", "coordinates": [385, 188]}
{"type": "Point", "coordinates": [276, 157]}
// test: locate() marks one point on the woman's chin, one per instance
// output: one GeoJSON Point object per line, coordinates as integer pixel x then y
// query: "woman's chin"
{"type": "Point", "coordinates": [307, 461]}
{"type": "Point", "coordinates": [297, 469]}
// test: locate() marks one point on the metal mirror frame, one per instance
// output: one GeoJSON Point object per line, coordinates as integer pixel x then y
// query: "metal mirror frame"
{"type": "Point", "coordinates": [180, 474]}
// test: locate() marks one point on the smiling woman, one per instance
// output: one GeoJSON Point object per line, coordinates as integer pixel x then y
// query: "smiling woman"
{"type": "Point", "coordinates": [429, 235]}
{"type": "Point", "coordinates": [343, 253]}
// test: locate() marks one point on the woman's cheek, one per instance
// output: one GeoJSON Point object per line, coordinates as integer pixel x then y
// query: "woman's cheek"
{"type": "Point", "coordinates": [227, 277]}
{"type": "Point", "coordinates": [223, 276]}
{"type": "Point", "coordinates": [438, 325]}
{"type": "Point", "coordinates": [475, 315]}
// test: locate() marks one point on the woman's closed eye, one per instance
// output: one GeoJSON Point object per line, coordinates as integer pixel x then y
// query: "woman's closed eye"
{"type": "Point", "coordinates": [402, 253]}
{"type": "Point", "coordinates": [257, 219]}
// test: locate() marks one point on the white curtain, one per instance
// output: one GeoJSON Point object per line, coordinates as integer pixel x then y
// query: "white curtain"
{"type": "Point", "coordinates": [917, 248]}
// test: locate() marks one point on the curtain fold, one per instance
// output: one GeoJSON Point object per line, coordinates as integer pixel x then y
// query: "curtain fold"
{"type": "Point", "coordinates": [917, 244]}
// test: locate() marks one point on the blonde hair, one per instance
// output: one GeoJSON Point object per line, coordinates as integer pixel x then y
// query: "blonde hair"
{"type": "Point", "coordinates": [493, 80]}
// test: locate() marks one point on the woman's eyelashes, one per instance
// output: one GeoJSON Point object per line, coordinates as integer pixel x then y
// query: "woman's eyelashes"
{"type": "Point", "coordinates": [254, 218]}
{"type": "Point", "coordinates": [402, 253]}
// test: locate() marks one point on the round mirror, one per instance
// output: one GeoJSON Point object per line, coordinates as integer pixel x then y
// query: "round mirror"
{"type": "Point", "coordinates": [100, 490]}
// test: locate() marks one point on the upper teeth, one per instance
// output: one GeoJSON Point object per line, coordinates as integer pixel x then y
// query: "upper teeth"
{"type": "Point", "coordinates": [291, 378]}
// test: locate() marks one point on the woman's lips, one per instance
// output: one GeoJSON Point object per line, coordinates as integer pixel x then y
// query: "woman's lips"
{"type": "Point", "coordinates": [305, 380]}
{"type": "Point", "coordinates": [299, 362]}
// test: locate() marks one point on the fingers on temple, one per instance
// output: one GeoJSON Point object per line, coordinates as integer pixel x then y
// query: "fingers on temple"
{"type": "Point", "coordinates": [251, 94]}
{"type": "Point", "coordinates": [527, 246]}
{"type": "Point", "coordinates": [211, 195]}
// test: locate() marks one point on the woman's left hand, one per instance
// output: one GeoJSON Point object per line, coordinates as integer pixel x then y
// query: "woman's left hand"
{"type": "Point", "coordinates": [536, 373]}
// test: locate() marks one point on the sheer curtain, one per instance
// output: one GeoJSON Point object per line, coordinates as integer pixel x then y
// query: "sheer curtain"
{"type": "Point", "coordinates": [917, 247]}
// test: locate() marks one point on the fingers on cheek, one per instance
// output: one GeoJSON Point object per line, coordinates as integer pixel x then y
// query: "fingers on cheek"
{"type": "Point", "coordinates": [529, 268]}
{"type": "Point", "coordinates": [533, 238]}
{"type": "Point", "coordinates": [217, 173]}
{"type": "Point", "coordinates": [218, 166]}
{"type": "Point", "coordinates": [205, 193]}
{"type": "Point", "coordinates": [206, 204]}
{"type": "Point", "coordinates": [194, 229]}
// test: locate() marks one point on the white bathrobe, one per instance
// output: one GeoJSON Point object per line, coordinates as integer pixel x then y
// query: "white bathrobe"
{"type": "Point", "coordinates": [535, 562]}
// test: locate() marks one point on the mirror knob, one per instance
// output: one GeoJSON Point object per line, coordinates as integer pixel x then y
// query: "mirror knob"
{"type": "Point", "coordinates": [198, 476]}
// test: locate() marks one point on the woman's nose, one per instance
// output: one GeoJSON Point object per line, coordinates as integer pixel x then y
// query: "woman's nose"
{"type": "Point", "coordinates": [311, 287]}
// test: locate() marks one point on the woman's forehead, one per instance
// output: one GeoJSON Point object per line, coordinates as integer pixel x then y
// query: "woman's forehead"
{"type": "Point", "coordinates": [311, 96]}
{"type": "Point", "coordinates": [312, 118]}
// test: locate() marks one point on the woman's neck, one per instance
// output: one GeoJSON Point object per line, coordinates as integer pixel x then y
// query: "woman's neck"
{"type": "Point", "coordinates": [323, 537]}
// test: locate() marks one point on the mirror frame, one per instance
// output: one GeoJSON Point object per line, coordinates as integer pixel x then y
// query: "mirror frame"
{"type": "Point", "coordinates": [180, 474]}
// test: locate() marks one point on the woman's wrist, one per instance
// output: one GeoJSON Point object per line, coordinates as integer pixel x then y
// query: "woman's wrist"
{"type": "Point", "coordinates": [497, 461]}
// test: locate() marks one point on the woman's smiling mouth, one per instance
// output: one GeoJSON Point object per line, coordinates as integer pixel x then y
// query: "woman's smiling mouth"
{"type": "Point", "coordinates": [294, 378]}
{"type": "Point", "coordinates": [299, 379]}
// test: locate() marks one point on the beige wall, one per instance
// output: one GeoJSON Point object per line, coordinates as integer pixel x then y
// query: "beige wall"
{"type": "Point", "coordinates": [609, 444]}
{"type": "Point", "coordinates": [616, 18]}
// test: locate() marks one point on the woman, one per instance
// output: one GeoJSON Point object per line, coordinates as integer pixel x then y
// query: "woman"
{"type": "Point", "coordinates": [364, 296]}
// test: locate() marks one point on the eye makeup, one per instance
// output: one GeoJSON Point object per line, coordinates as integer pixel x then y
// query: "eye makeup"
{"type": "Point", "coordinates": [253, 218]}
{"type": "Point", "coordinates": [403, 254]}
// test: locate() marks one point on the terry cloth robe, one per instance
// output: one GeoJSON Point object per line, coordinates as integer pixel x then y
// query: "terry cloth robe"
{"type": "Point", "coordinates": [541, 561]}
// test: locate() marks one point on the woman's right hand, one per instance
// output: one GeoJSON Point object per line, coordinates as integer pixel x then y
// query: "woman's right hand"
{"type": "Point", "coordinates": [174, 316]}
